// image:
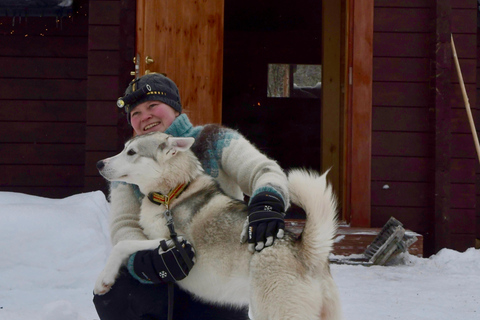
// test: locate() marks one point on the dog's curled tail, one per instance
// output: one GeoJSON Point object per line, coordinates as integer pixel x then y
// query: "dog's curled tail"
{"type": "Point", "coordinates": [312, 193]}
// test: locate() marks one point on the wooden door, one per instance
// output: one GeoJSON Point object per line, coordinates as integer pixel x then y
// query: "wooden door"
{"type": "Point", "coordinates": [184, 40]}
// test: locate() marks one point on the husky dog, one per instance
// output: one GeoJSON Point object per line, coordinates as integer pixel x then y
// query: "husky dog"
{"type": "Point", "coordinates": [289, 280]}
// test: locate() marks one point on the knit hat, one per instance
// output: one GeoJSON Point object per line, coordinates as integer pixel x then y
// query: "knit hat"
{"type": "Point", "coordinates": [150, 87]}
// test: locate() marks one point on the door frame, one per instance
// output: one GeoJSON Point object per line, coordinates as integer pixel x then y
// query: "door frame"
{"type": "Point", "coordinates": [357, 119]}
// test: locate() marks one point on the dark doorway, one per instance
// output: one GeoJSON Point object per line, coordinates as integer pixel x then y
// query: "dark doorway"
{"type": "Point", "coordinates": [264, 39]}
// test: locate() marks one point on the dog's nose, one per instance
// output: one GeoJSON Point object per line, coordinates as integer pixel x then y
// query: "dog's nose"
{"type": "Point", "coordinates": [100, 165]}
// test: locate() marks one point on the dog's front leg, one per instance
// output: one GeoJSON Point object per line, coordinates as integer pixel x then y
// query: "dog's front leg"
{"type": "Point", "coordinates": [119, 256]}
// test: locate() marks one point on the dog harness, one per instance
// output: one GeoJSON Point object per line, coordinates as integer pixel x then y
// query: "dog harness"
{"type": "Point", "coordinates": [159, 199]}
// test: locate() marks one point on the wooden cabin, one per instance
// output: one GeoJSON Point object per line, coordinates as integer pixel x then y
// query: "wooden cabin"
{"type": "Point", "coordinates": [386, 114]}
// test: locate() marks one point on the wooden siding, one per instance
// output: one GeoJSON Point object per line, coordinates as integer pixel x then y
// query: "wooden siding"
{"type": "Point", "coordinates": [58, 88]}
{"type": "Point", "coordinates": [404, 121]}
{"type": "Point", "coordinates": [111, 47]}
{"type": "Point", "coordinates": [461, 124]}
{"type": "Point", "coordinates": [42, 103]}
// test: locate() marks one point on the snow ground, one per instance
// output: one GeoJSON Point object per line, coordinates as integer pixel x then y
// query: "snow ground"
{"type": "Point", "coordinates": [52, 250]}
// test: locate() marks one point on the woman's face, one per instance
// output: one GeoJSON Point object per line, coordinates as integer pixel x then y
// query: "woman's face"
{"type": "Point", "coordinates": [151, 116]}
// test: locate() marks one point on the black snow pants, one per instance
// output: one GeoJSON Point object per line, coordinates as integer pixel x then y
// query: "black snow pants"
{"type": "Point", "coordinates": [131, 300]}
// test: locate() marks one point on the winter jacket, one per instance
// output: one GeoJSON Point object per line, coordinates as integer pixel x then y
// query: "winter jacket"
{"type": "Point", "coordinates": [225, 154]}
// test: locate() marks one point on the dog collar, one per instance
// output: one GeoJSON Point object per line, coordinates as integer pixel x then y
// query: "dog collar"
{"type": "Point", "coordinates": [160, 199]}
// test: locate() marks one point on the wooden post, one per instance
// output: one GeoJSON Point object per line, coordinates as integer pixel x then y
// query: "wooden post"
{"type": "Point", "coordinates": [360, 113]}
{"type": "Point", "coordinates": [443, 137]}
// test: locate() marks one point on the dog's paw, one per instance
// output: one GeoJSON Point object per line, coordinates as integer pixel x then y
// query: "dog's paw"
{"type": "Point", "coordinates": [104, 283]}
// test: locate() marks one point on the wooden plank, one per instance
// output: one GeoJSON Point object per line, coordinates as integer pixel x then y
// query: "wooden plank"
{"type": "Point", "coordinates": [401, 169]}
{"type": "Point", "coordinates": [103, 113]}
{"type": "Point", "coordinates": [47, 26]}
{"type": "Point", "coordinates": [43, 110]}
{"type": "Point", "coordinates": [464, 4]}
{"type": "Point", "coordinates": [456, 99]}
{"type": "Point", "coordinates": [42, 175]}
{"type": "Point", "coordinates": [42, 132]}
{"type": "Point", "coordinates": [101, 138]}
{"type": "Point", "coordinates": [463, 170]}
{"type": "Point", "coordinates": [465, 45]}
{"type": "Point", "coordinates": [355, 241]}
{"type": "Point", "coordinates": [469, 72]}
{"type": "Point", "coordinates": [401, 194]}
{"type": "Point", "coordinates": [104, 12]}
{"type": "Point", "coordinates": [48, 89]}
{"type": "Point", "coordinates": [44, 191]}
{"type": "Point", "coordinates": [402, 19]}
{"type": "Point", "coordinates": [332, 97]}
{"type": "Point", "coordinates": [359, 156]}
{"type": "Point", "coordinates": [477, 233]}
{"type": "Point", "coordinates": [185, 40]}
{"type": "Point", "coordinates": [459, 123]}
{"type": "Point", "coordinates": [351, 240]}
{"type": "Point", "coordinates": [393, 94]}
{"type": "Point", "coordinates": [464, 21]}
{"type": "Point", "coordinates": [413, 218]}
{"type": "Point", "coordinates": [103, 63]}
{"type": "Point", "coordinates": [463, 146]}
{"type": "Point", "coordinates": [67, 47]}
{"type": "Point", "coordinates": [45, 68]}
{"type": "Point", "coordinates": [463, 221]}
{"type": "Point", "coordinates": [401, 119]}
{"type": "Point", "coordinates": [443, 138]}
{"type": "Point", "coordinates": [104, 88]}
{"type": "Point", "coordinates": [91, 159]}
{"type": "Point", "coordinates": [34, 154]}
{"type": "Point", "coordinates": [401, 44]}
{"type": "Point", "coordinates": [463, 196]}
{"type": "Point", "coordinates": [402, 144]}
{"type": "Point", "coordinates": [401, 69]}
{"type": "Point", "coordinates": [103, 37]}
{"type": "Point", "coordinates": [403, 3]}
{"type": "Point", "coordinates": [462, 242]}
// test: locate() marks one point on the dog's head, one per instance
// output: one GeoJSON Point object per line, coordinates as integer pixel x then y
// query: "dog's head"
{"type": "Point", "coordinates": [148, 159]}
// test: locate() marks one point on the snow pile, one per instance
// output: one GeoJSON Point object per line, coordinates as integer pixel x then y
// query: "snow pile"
{"type": "Point", "coordinates": [53, 249]}
{"type": "Point", "coordinates": [445, 286]}
{"type": "Point", "coordinates": [51, 252]}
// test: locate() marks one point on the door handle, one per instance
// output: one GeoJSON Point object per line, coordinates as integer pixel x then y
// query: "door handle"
{"type": "Point", "coordinates": [149, 60]}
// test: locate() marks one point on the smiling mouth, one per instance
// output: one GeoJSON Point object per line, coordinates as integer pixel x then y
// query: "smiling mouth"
{"type": "Point", "coordinates": [150, 126]}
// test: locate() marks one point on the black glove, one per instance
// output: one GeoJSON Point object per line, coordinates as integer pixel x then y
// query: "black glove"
{"type": "Point", "coordinates": [163, 265]}
{"type": "Point", "coordinates": [265, 220]}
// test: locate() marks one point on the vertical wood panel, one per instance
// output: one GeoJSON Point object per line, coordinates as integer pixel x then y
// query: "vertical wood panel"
{"type": "Point", "coordinates": [361, 113]}
{"type": "Point", "coordinates": [185, 39]}
{"type": "Point", "coordinates": [443, 65]}
{"type": "Point", "coordinates": [42, 103]}
{"type": "Point", "coordinates": [331, 91]}
{"type": "Point", "coordinates": [110, 55]}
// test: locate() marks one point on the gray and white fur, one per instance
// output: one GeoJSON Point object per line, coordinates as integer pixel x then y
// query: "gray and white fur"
{"type": "Point", "coordinates": [289, 280]}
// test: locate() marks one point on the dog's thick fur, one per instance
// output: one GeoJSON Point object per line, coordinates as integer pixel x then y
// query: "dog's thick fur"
{"type": "Point", "coordinates": [289, 280]}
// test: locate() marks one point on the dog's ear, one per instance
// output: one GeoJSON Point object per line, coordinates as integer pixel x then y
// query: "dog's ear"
{"type": "Point", "coordinates": [179, 144]}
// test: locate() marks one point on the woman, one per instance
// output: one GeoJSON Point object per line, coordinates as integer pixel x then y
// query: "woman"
{"type": "Point", "coordinates": [152, 103]}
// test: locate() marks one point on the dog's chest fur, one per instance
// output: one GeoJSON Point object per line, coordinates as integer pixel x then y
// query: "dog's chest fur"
{"type": "Point", "coordinates": [152, 220]}
{"type": "Point", "coordinates": [202, 200]}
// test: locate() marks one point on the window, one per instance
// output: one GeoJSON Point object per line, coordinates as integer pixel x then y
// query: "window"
{"type": "Point", "coordinates": [294, 81]}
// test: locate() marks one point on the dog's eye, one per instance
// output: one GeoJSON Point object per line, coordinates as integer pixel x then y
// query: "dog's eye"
{"type": "Point", "coordinates": [131, 152]}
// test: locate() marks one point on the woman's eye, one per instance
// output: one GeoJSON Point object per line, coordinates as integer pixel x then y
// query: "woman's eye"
{"type": "Point", "coordinates": [131, 152]}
